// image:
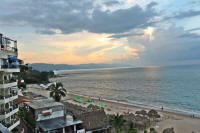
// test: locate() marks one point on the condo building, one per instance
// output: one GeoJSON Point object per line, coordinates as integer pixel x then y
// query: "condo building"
{"type": "Point", "coordinates": [9, 64]}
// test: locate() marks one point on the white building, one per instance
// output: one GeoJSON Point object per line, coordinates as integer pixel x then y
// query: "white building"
{"type": "Point", "coordinates": [8, 83]}
{"type": "Point", "coordinates": [49, 117]}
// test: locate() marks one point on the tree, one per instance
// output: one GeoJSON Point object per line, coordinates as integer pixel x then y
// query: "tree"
{"type": "Point", "coordinates": [117, 121]}
{"type": "Point", "coordinates": [57, 91]}
{"type": "Point", "coordinates": [132, 128]}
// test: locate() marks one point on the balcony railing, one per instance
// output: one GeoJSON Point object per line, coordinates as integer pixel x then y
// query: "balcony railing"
{"type": "Point", "coordinates": [8, 81]}
{"type": "Point", "coordinates": [10, 66]}
{"type": "Point", "coordinates": [7, 44]}
{"type": "Point", "coordinates": [9, 99]}
{"type": "Point", "coordinates": [7, 96]}
{"type": "Point", "coordinates": [9, 124]}
{"type": "Point", "coordinates": [9, 110]}
{"type": "Point", "coordinates": [9, 48]}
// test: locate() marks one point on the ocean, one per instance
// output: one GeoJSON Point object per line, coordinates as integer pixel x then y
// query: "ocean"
{"type": "Point", "coordinates": [175, 88]}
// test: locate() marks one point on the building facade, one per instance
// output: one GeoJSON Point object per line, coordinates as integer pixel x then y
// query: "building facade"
{"type": "Point", "coordinates": [48, 116]}
{"type": "Point", "coordinates": [9, 64]}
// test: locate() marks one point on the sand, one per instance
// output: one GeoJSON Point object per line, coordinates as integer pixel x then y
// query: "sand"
{"type": "Point", "coordinates": [181, 123]}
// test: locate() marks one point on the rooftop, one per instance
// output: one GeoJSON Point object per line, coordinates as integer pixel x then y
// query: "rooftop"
{"type": "Point", "coordinates": [93, 119]}
{"type": "Point", "coordinates": [44, 103]}
{"type": "Point", "coordinates": [33, 96]}
{"type": "Point", "coordinates": [57, 123]}
{"type": "Point", "coordinates": [22, 99]}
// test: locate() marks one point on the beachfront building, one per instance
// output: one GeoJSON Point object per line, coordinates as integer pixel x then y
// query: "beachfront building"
{"type": "Point", "coordinates": [94, 118]}
{"type": "Point", "coordinates": [9, 64]}
{"type": "Point", "coordinates": [48, 116]}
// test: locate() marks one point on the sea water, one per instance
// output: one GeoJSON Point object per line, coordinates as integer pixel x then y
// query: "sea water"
{"type": "Point", "coordinates": [175, 88]}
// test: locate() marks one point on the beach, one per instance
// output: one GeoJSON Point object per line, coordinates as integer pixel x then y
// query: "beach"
{"type": "Point", "coordinates": [182, 123]}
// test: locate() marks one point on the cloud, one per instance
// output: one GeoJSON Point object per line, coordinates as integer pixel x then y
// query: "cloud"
{"type": "Point", "coordinates": [73, 16]}
{"type": "Point", "coordinates": [61, 48]}
{"type": "Point", "coordinates": [171, 45]}
{"type": "Point", "coordinates": [121, 20]}
{"type": "Point", "coordinates": [189, 35]}
{"type": "Point", "coordinates": [185, 14]}
{"type": "Point", "coordinates": [194, 29]}
{"type": "Point", "coordinates": [111, 3]}
{"type": "Point", "coordinates": [49, 32]}
{"type": "Point", "coordinates": [122, 35]}
{"type": "Point", "coordinates": [152, 4]}
{"type": "Point", "coordinates": [134, 52]}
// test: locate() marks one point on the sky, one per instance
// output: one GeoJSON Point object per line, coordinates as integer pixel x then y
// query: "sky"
{"type": "Point", "coordinates": [134, 32]}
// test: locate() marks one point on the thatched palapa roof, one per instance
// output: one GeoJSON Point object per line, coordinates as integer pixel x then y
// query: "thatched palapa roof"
{"type": "Point", "coordinates": [92, 117]}
{"type": "Point", "coordinates": [142, 112]}
{"type": "Point", "coordinates": [168, 130]}
{"type": "Point", "coordinates": [93, 107]}
{"type": "Point", "coordinates": [94, 120]}
{"type": "Point", "coordinates": [153, 114]}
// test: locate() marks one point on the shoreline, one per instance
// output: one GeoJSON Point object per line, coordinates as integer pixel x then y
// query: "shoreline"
{"type": "Point", "coordinates": [136, 105]}
{"type": "Point", "coordinates": [180, 122]}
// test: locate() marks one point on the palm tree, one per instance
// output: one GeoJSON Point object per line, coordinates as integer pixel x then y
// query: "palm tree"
{"type": "Point", "coordinates": [132, 128]}
{"type": "Point", "coordinates": [57, 91]}
{"type": "Point", "coordinates": [117, 121]}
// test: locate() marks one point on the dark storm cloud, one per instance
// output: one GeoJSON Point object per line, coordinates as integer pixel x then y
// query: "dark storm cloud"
{"type": "Point", "coordinates": [182, 15]}
{"type": "Point", "coordinates": [73, 16]}
{"type": "Point", "coordinates": [120, 21]}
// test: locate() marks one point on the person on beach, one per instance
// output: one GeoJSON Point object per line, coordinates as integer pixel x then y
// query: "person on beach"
{"type": "Point", "coordinates": [162, 108]}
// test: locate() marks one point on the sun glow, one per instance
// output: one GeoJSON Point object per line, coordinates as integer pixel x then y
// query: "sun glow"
{"type": "Point", "coordinates": [149, 32]}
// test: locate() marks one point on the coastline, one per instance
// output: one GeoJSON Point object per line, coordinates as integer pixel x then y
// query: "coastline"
{"type": "Point", "coordinates": [139, 106]}
{"type": "Point", "coordinates": [181, 123]}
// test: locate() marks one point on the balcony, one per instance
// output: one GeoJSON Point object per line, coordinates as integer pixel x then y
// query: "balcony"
{"type": "Point", "coordinates": [7, 46]}
{"type": "Point", "coordinates": [81, 131]}
{"type": "Point", "coordinates": [10, 68]}
{"type": "Point", "coordinates": [5, 113]}
{"type": "Point", "coordinates": [14, 124]}
{"type": "Point", "coordinates": [7, 99]}
{"type": "Point", "coordinates": [11, 125]}
{"type": "Point", "coordinates": [8, 85]}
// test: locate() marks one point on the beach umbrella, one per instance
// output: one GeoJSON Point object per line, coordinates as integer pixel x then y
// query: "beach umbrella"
{"type": "Point", "coordinates": [142, 112]}
{"type": "Point", "coordinates": [168, 130]}
{"type": "Point", "coordinates": [153, 114]}
{"type": "Point", "coordinates": [153, 132]}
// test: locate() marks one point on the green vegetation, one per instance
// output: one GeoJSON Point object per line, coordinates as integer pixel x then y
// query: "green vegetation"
{"type": "Point", "coordinates": [88, 100]}
{"type": "Point", "coordinates": [22, 113]}
{"type": "Point", "coordinates": [152, 129]}
{"type": "Point", "coordinates": [31, 76]}
{"type": "Point", "coordinates": [57, 91]}
{"type": "Point", "coordinates": [117, 122]}
{"type": "Point", "coordinates": [132, 128]}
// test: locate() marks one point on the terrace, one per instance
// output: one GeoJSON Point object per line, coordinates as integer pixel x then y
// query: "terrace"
{"type": "Point", "coordinates": [6, 112]}
{"type": "Point", "coordinates": [3, 129]}
{"type": "Point", "coordinates": [11, 123]}
{"type": "Point", "coordinates": [7, 95]}
{"type": "Point", "coordinates": [11, 64]}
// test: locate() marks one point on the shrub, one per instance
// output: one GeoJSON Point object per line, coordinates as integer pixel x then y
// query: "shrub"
{"type": "Point", "coordinates": [152, 129]}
